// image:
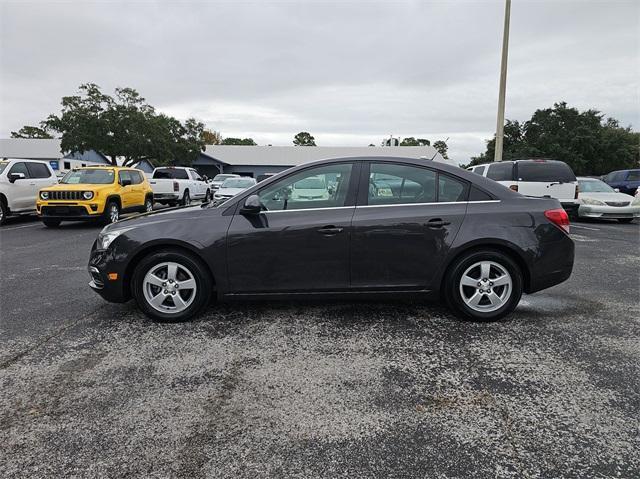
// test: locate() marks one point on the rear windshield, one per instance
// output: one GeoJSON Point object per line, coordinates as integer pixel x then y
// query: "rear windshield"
{"type": "Point", "coordinates": [89, 176]}
{"type": "Point", "coordinates": [634, 175]}
{"type": "Point", "coordinates": [170, 173]}
{"type": "Point", "coordinates": [545, 171]}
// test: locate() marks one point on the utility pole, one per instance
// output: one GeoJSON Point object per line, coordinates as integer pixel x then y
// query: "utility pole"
{"type": "Point", "coordinates": [503, 83]}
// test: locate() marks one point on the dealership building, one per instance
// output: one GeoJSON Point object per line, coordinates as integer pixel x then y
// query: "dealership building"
{"type": "Point", "coordinates": [258, 160]}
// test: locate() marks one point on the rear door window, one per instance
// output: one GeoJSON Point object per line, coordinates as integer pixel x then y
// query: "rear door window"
{"type": "Point", "coordinates": [480, 170]}
{"type": "Point", "coordinates": [38, 170]}
{"type": "Point", "coordinates": [545, 172]}
{"type": "Point", "coordinates": [450, 189]}
{"type": "Point", "coordinates": [501, 171]}
{"type": "Point", "coordinates": [391, 183]}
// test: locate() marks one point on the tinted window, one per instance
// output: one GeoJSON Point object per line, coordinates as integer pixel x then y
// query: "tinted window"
{"type": "Point", "coordinates": [38, 170]}
{"type": "Point", "coordinates": [282, 195]}
{"type": "Point", "coordinates": [170, 173]}
{"type": "Point", "coordinates": [125, 175]}
{"type": "Point", "coordinates": [478, 195]}
{"type": "Point", "coordinates": [633, 175]}
{"type": "Point", "coordinates": [136, 177]}
{"type": "Point", "coordinates": [397, 184]}
{"type": "Point", "coordinates": [89, 176]}
{"type": "Point", "coordinates": [67, 165]}
{"type": "Point", "coordinates": [19, 168]}
{"type": "Point", "coordinates": [451, 189]}
{"type": "Point", "coordinates": [545, 171]}
{"type": "Point", "coordinates": [480, 170]}
{"type": "Point", "coordinates": [501, 171]}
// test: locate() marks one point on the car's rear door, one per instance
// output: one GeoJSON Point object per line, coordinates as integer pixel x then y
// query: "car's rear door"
{"type": "Point", "coordinates": [295, 246]}
{"type": "Point", "coordinates": [405, 221]}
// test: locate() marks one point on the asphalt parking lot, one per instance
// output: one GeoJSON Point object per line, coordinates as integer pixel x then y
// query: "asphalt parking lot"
{"type": "Point", "coordinates": [339, 389]}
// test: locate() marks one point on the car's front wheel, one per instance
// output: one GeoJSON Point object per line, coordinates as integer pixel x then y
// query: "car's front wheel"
{"type": "Point", "coordinates": [111, 213]}
{"type": "Point", "coordinates": [483, 285]}
{"type": "Point", "coordinates": [171, 286]}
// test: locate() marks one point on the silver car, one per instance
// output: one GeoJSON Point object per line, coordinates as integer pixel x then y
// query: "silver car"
{"type": "Point", "coordinates": [599, 200]}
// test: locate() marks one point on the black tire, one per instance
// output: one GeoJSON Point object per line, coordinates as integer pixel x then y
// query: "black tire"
{"type": "Point", "coordinates": [207, 196]}
{"type": "Point", "coordinates": [148, 205]}
{"type": "Point", "coordinates": [204, 284]}
{"type": "Point", "coordinates": [4, 212]}
{"type": "Point", "coordinates": [51, 223]}
{"type": "Point", "coordinates": [451, 286]}
{"type": "Point", "coordinates": [625, 220]}
{"type": "Point", "coordinates": [186, 198]}
{"type": "Point", "coordinates": [107, 215]}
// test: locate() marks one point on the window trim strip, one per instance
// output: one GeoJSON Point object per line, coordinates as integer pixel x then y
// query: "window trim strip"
{"type": "Point", "coordinates": [383, 206]}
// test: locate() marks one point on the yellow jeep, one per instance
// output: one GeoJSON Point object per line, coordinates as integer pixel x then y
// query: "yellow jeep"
{"type": "Point", "coordinates": [94, 193]}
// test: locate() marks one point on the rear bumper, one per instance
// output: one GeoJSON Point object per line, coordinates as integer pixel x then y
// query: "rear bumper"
{"type": "Point", "coordinates": [552, 266]}
{"type": "Point", "coordinates": [165, 196]}
{"type": "Point", "coordinates": [605, 211]}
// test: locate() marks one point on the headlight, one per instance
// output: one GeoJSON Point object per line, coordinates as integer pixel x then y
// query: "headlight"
{"type": "Point", "coordinates": [44, 195]}
{"type": "Point", "coordinates": [592, 201]}
{"type": "Point", "coordinates": [105, 238]}
{"type": "Point", "coordinates": [87, 195]}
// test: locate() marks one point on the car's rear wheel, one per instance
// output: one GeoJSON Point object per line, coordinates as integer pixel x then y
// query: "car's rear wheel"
{"type": "Point", "coordinates": [625, 220]}
{"type": "Point", "coordinates": [51, 223]}
{"type": "Point", "coordinates": [111, 213]}
{"type": "Point", "coordinates": [186, 199]}
{"type": "Point", "coordinates": [483, 285]}
{"type": "Point", "coordinates": [171, 286]}
{"type": "Point", "coordinates": [148, 205]}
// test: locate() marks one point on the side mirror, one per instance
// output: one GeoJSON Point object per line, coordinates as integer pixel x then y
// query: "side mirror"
{"type": "Point", "coordinates": [16, 176]}
{"type": "Point", "coordinates": [617, 190]}
{"type": "Point", "coordinates": [125, 183]}
{"type": "Point", "coordinates": [252, 206]}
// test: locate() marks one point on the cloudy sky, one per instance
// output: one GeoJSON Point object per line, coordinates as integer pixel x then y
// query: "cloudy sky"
{"type": "Point", "coordinates": [350, 72]}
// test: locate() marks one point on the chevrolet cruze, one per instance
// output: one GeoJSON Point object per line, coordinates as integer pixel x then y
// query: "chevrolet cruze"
{"type": "Point", "coordinates": [387, 227]}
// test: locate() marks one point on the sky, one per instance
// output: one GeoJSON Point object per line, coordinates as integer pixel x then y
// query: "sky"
{"type": "Point", "coordinates": [349, 72]}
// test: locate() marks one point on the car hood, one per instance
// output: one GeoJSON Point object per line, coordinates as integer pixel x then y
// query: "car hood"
{"type": "Point", "coordinates": [157, 217]}
{"type": "Point", "coordinates": [230, 191]}
{"type": "Point", "coordinates": [79, 187]}
{"type": "Point", "coordinates": [606, 196]}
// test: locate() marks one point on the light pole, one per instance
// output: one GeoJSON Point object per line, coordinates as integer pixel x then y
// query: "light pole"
{"type": "Point", "coordinates": [503, 83]}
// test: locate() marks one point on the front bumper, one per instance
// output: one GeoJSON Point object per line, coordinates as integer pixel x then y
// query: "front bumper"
{"type": "Point", "coordinates": [101, 264]}
{"type": "Point", "coordinates": [69, 210]}
{"type": "Point", "coordinates": [605, 211]}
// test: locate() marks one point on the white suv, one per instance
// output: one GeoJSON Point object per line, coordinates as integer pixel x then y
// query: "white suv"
{"type": "Point", "coordinates": [536, 177]}
{"type": "Point", "coordinates": [20, 181]}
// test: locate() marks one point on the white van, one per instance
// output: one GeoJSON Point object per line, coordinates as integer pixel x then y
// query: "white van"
{"type": "Point", "coordinates": [536, 177]}
{"type": "Point", "coordinates": [20, 181]}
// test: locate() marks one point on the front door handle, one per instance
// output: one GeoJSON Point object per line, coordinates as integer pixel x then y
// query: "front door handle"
{"type": "Point", "coordinates": [437, 223]}
{"type": "Point", "coordinates": [329, 230]}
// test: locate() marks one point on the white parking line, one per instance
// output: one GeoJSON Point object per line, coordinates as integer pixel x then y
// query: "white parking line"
{"type": "Point", "coordinates": [19, 227]}
{"type": "Point", "coordinates": [585, 227]}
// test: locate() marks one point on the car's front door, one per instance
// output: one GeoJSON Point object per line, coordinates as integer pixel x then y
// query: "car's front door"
{"type": "Point", "coordinates": [406, 219]}
{"type": "Point", "coordinates": [296, 244]}
{"type": "Point", "coordinates": [23, 190]}
{"type": "Point", "coordinates": [127, 189]}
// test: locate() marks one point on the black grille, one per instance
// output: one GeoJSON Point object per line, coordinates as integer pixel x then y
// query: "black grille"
{"type": "Point", "coordinates": [64, 211]}
{"type": "Point", "coordinates": [618, 203]}
{"type": "Point", "coordinates": [65, 195]}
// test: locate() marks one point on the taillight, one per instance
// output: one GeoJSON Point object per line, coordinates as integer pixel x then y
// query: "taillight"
{"type": "Point", "coordinates": [558, 217]}
{"type": "Point", "coordinates": [176, 186]}
{"type": "Point", "coordinates": [514, 187]}
{"type": "Point", "coordinates": [577, 191]}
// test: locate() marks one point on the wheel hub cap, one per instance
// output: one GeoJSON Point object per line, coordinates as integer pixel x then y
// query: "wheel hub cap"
{"type": "Point", "coordinates": [169, 287]}
{"type": "Point", "coordinates": [486, 286]}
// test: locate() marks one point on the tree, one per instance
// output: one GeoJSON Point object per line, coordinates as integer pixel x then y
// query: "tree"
{"type": "Point", "coordinates": [211, 137]}
{"type": "Point", "coordinates": [31, 132]}
{"type": "Point", "coordinates": [124, 126]}
{"type": "Point", "coordinates": [304, 139]}
{"type": "Point", "coordinates": [411, 141]}
{"type": "Point", "coordinates": [442, 148]}
{"type": "Point", "coordinates": [239, 141]}
{"type": "Point", "coordinates": [583, 140]}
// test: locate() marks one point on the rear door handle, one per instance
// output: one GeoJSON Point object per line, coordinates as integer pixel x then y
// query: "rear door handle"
{"type": "Point", "coordinates": [437, 223]}
{"type": "Point", "coordinates": [330, 230]}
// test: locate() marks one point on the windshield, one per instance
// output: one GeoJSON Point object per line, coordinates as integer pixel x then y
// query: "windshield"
{"type": "Point", "coordinates": [88, 176]}
{"type": "Point", "coordinates": [170, 174]}
{"type": "Point", "coordinates": [223, 177]}
{"type": "Point", "coordinates": [3, 165]}
{"type": "Point", "coordinates": [237, 183]}
{"type": "Point", "coordinates": [309, 184]}
{"type": "Point", "coordinates": [594, 186]}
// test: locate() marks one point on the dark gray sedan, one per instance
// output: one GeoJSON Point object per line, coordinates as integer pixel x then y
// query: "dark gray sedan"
{"type": "Point", "coordinates": [380, 227]}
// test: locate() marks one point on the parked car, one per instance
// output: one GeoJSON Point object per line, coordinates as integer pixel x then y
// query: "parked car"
{"type": "Point", "coordinates": [536, 177]}
{"type": "Point", "coordinates": [472, 240]}
{"type": "Point", "coordinates": [625, 181]}
{"type": "Point", "coordinates": [95, 194]}
{"type": "Point", "coordinates": [233, 186]}
{"type": "Point", "coordinates": [314, 188]}
{"type": "Point", "coordinates": [177, 184]}
{"type": "Point", "coordinates": [20, 181]}
{"type": "Point", "coordinates": [599, 200]}
{"type": "Point", "coordinates": [219, 179]}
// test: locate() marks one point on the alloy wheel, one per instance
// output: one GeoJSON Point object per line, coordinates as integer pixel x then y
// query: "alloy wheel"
{"type": "Point", "coordinates": [169, 287]}
{"type": "Point", "coordinates": [486, 286]}
{"type": "Point", "coordinates": [148, 206]}
{"type": "Point", "coordinates": [114, 213]}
